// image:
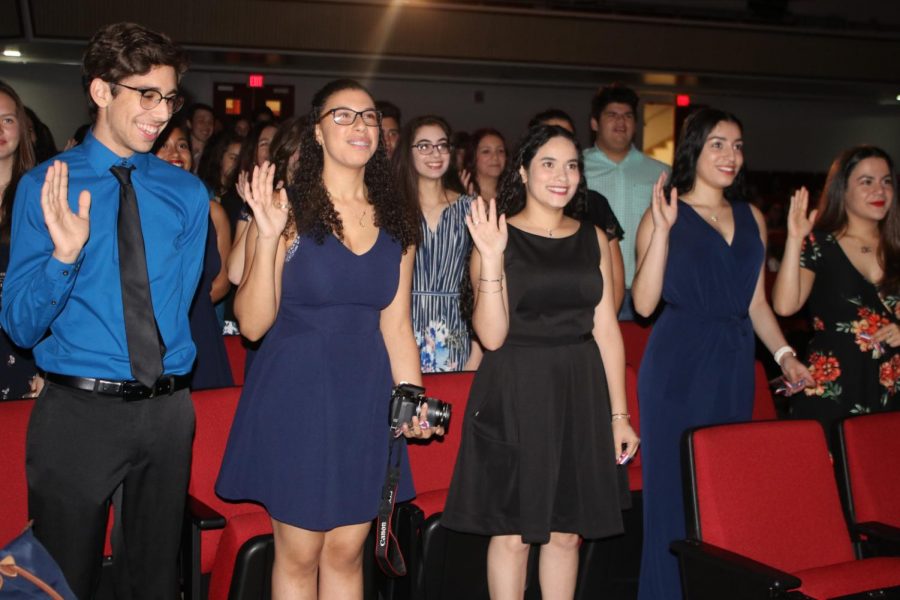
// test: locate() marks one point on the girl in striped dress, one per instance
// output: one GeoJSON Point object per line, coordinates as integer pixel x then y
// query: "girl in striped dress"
{"type": "Point", "coordinates": [424, 177]}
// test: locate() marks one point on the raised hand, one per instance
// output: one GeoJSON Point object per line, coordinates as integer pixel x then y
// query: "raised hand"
{"type": "Point", "coordinates": [270, 206]}
{"type": "Point", "coordinates": [488, 232]}
{"type": "Point", "coordinates": [466, 178]}
{"type": "Point", "coordinates": [664, 212]}
{"type": "Point", "coordinates": [68, 232]}
{"type": "Point", "coordinates": [799, 224]}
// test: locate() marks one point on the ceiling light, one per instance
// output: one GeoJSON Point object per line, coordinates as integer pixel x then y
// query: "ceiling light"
{"type": "Point", "coordinates": [11, 53]}
{"type": "Point", "coordinates": [898, 97]}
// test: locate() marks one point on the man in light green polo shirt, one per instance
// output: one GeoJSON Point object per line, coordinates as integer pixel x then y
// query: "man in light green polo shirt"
{"type": "Point", "coordinates": [619, 171]}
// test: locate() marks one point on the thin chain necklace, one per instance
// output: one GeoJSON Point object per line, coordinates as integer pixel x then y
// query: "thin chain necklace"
{"type": "Point", "coordinates": [549, 231]}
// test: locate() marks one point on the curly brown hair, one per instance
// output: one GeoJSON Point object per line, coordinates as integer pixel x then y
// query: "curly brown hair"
{"type": "Point", "coordinates": [312, 211]}
{"type": "Point", "coordinates": [23, 160]}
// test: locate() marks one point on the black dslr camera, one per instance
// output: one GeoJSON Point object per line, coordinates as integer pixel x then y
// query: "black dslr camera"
{"type": "Point", "coordinates": [405, 401]}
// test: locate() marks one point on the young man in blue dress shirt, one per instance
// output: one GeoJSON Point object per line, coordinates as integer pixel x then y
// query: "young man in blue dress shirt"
{"type": "Point", "coordinates": [94, 427]}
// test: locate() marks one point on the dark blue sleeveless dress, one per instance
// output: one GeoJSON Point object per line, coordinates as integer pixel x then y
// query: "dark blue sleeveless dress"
{"type": "Point", "coordinates": [697, 370]}
{"type": "Point", "coordinates": [310, 436]}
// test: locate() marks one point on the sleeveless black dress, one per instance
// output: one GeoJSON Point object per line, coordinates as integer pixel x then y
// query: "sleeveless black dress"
{"type": "Point", "coordinates": [537, 450]}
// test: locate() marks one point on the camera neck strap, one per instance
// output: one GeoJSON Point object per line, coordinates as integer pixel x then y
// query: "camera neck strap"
{"type": "Point", "coordinates": [387, 550]}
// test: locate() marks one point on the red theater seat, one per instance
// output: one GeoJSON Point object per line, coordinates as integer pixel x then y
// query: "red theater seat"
{"type": "Point", "coordinates": [446, 564]}
{"type": "Point", "coordinates": [763, 404]}
{"type": "Point", "coordinates": [764, 518]}
{"type": "Point", "coordinates": [635, 337]}
{"type": "Point", "coordinates": [869, 472]}
{"type": "Point", "coordinates": [14, 417]}
{"type": "Point", "coordinates": [208, 514]}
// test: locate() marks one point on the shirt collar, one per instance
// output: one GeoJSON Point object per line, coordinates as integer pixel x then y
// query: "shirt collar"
{"type": "Point", "coordinates": [102, 158]}
{"type": "Point", "coordinates": [594, 151]}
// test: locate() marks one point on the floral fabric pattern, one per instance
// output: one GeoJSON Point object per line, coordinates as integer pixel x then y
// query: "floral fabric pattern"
{"type": "Point", "coordinates": [853, 373]}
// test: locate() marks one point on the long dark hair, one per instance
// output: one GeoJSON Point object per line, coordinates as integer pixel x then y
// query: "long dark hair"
{"type": "Point", "coordinates": [284, 144]}
{"type": "Point", "coordinates": [470, 159]}
{"type": "Point", "coordinates": [311, 209]}
{"type": "Point", "coordinates": [210, 167]}
{"type": "Point", "coordinates": [247, 157]}
{"type": "Point", "coordinates": [403, 165]}
{"type": "Point", "coordinates": [832, 215]}
{"type": "Point", "coordinates": [22, 161]}
{"type": "Point", "coordinates": [694, 132]}
{"type": "Point", "coordinates": [511, 193]}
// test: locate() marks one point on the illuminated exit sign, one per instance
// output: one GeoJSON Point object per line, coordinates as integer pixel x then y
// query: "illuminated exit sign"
{"type": "Point", "coordinates": [255, 80]}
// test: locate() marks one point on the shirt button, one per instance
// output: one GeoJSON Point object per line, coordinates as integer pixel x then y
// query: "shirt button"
{"type": "Point", "coordinates": [65, 273]}
{"type": "Point", "coordinates": [53, 302]}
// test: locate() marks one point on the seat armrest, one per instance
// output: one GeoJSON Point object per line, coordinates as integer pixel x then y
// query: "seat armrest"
{"type": "Point", "coordinates": [203, 516]}
{"type": "Point", "coordinates": [711, 572]}
{"type": "Point", "coordinates": [876, 531]}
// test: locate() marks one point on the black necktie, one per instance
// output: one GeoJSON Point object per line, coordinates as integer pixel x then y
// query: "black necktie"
{"type": "Point", "coordinates": [145, 347]}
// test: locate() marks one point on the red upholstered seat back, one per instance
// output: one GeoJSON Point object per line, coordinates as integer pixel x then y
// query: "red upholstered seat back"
{"type": "Point", "coordinates": [767, 490]}
{"type": "Point", "coordinates": [237, 355]}
{"type": "Point", "coordinates": [432, 461]}
{"type": "Point", "coordinates": [215, 412]}
{"type": "Point", "coordinates": [635, 337]}
{"type": "Point", "coordinates": [14, 417]}
{"type": "Point", "coordinates": [872, 444]}
{"type": "Point", "coordinates": [239, 530]}
{"type": "Point", "coordinates": [763, 405]}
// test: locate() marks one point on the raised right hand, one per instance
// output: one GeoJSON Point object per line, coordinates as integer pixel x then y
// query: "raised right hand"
{"type": "Point", "coordinates": [270, 206]}
{"type": "Point", "coordinates": [799, 223]}
{"type": "Point", "coordinates": [68, 232]}
{"type": "Point", "coordinates": [488, 232]}
{"type": "Point", "coordinates": [664, 212]}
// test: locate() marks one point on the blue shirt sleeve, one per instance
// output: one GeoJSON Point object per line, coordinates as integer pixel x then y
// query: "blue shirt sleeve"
{"type": "Point", "coordinates": [37, 285]}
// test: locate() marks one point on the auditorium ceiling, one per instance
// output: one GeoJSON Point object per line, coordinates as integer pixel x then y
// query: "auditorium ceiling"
{"type": "Point", "coordinates": [790, 48]}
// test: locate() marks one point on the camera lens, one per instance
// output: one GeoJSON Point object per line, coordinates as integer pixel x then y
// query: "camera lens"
{"type": "Point", "coordinates": [438, 412]}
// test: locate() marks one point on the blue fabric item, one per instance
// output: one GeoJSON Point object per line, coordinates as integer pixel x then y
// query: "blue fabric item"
{"type": "Point", "coordinates": [310, 435]}
{"type": "Point", "coordinates": [441, 333]}
{"type": "Point", "coordinates": [697, 370]}
{"type": "Point", "coordinates": [81, 303]}
{"type": "Point", "coordinates": [29, 555]}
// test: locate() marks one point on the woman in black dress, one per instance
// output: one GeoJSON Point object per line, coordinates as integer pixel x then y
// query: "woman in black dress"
{"type": "Point", "coordinates": [538, 456]}
{"type": "Point", "coordinates": [846, 263]}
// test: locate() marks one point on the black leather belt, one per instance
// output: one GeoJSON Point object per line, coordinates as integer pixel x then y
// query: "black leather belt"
{"type": "Point", "coordinates": [127, 390]}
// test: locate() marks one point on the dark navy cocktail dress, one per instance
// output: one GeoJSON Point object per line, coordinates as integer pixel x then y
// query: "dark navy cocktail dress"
{"type": "Point", "coordinates": [697, 370]}
{"type": "Point", "coordinates": [310, 436]}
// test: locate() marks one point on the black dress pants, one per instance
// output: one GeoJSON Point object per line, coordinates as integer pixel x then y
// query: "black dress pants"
{"type": "Point", "coordinates": [80, 447]}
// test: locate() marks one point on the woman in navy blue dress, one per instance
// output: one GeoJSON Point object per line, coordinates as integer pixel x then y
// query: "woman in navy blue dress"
{"type": "Point", "coordinates": [702, 252]}
{"type": "Point", "coordinates": [327, 281]}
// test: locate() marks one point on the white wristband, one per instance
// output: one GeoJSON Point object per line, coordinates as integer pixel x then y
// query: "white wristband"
{"type": "Point", "coordinates": [779, 354]}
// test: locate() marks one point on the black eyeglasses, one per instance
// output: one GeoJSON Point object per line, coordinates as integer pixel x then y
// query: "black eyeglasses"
{"type": "Point", "coordinates": [347, 116]}
{"type": "Point", "coordinates": [150, 99]}
{"type": "Point", "coordinates": [428, 147]}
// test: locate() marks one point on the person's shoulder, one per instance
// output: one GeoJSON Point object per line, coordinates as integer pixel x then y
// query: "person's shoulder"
{"type": "Point", "coordinates": [653, 164]}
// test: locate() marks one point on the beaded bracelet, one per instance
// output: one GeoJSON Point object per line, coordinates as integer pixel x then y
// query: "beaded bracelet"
{"type": "Point", "coordinates": [492, 280]}
{"type": "Point", "coordinates": [481, 291]}
{"type": "Point", "coordinates": [620, 416]}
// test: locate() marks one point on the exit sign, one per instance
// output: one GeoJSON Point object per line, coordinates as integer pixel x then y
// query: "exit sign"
{"type": "Point", "coordinates": [255, 80]}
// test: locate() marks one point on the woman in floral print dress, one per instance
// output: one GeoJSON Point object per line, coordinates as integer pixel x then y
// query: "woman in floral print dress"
{"type": "Point", "coordinates": [846, 262]}
{"type": "Point", "coordinates": [423, 174]}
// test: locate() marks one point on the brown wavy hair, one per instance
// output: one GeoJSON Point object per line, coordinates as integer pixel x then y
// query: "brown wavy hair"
{"type": "Point", "coordinates": [405, 175]}
{"type": "Point", "coordinates": [832, 208]}
{"type": "Point", "coordinates": [312, 212]}
{"type": "Point", "coordinates": [22, 161]}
